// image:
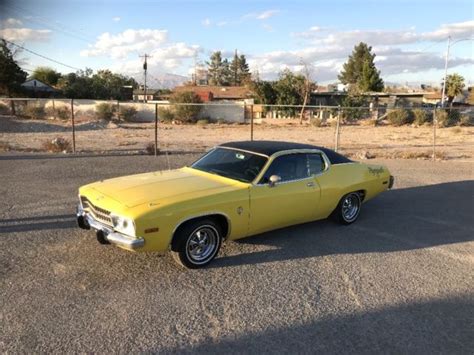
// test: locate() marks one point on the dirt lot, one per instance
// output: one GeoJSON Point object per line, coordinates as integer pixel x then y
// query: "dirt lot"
{"type": "Point", "coordinates": [454, 143]}
{"type": "Point", "coordinates": [400, 280]}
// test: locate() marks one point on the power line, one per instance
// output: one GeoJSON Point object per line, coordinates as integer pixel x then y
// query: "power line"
{"type": "Point", "coordinates": [40, 55]}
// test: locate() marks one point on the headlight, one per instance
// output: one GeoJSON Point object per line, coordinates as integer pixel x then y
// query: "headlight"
{"type": "Point", "coordinates": [123, 225]}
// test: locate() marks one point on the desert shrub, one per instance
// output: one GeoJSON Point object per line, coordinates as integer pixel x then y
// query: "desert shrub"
{"type": "Point", "coordinates": [35, 112]}
{"type": "Point", "coordinates": [57, 145]}
{"type": "Point", "coordinates": [399, 117]}
{"type": "Point", "coordinates": [202, 122]}
{"type": "Point", "coordinates": [4, 109]}
{"type": "Point", "coordinates": [5, 147]}
{"type": "Point", "coordinates": [105, 111]}
{"type": "Point", "coordinates": [128, 114]}
{"type": "Point", "coordinates": [420, 116]}
{"type": "Point", "coordinates": [447, 118]}
{"type": "Point", "coordinates": [165, 115]}
{"type": "Point", "coordinates": [316, 122]}
{"type": "Point", "coordinates": [466, 120]}
{"type": "Point", "coordinates": [186, 113]}
{"type": "Point", "coordinates": [61, 112]}
{"type": "Point", "coordinates": [150, 149]}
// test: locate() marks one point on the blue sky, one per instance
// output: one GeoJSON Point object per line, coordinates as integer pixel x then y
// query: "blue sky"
{"type": "Point", "coordinates": [409, 37]}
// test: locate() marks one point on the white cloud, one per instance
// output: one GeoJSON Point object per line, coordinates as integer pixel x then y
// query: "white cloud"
{"type": "Point", "coordinates": [456, 30]}
{"type": "Point", "coordinates": [119, 46]}
{"type": "Point", "coordinates": [25, 34]}
{"type": "Point", "coordinates": [206, 22]}
{"type": "Point", "coordinates": [266, 14]}
{"type": "Point", "coordinates": [221, 23]}
{"type": "Point", "coordinates": [116, 18]}
{"type": "Point", "coordinates": [11, 22]}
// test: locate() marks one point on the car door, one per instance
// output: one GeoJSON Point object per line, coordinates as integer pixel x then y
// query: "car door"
{"type": "Point", "coordinates": [292, 200]}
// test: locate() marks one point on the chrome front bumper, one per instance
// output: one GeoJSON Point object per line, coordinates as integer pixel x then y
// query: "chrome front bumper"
{"type": "Point", "coordinates": [105, 233]}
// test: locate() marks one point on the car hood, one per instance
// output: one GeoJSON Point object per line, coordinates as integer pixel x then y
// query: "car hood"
{"type": "Point", "coordinates": [161, 187]}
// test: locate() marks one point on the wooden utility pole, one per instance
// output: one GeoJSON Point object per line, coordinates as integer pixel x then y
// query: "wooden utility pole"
{"type": "Point", "coordinates": [145, 68]}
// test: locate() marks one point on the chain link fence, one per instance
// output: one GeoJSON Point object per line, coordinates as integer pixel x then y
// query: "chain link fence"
{"type": "Point", "coordinates": [102, 127]}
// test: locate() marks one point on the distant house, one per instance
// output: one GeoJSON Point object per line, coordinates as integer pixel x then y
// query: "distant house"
{"type": "Point", "coordinates": [139, 95]}
{"type": "Point", "coordinates": [217, 93]}
{"type": "Point", "coordinates": [37, 88]}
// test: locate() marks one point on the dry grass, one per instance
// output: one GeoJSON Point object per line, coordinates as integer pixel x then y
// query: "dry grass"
{"type": "Point", "coordinates": [5, 147]}
{"type": "Point", "coordinates": [57, 145]}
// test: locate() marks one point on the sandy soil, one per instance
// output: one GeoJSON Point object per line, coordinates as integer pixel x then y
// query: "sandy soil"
{"type": "Point", "coordinates": [361, 141]}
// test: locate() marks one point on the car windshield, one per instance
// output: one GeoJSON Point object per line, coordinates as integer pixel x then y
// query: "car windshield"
{"type": "Point", "coordinates": [230, 163]}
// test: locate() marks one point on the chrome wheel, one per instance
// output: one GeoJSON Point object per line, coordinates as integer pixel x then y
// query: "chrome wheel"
{"type": "Point", "coordinates": [202, 244]}
{"type": "Point", "coordinates": [351, 207]}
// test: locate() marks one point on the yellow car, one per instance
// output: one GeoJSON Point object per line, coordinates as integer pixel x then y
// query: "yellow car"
{"type": "Point", "coordinates": [236, 190]}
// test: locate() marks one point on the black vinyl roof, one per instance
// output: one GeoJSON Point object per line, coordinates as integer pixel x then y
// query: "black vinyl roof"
{"type": "Point", "coordinates": [271, 147]}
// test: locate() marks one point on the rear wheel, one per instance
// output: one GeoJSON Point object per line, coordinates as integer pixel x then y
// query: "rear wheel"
{"type": "Point", "coordinates": [197, 243]}
{"type": "Point", "coordinates": [348, 209]}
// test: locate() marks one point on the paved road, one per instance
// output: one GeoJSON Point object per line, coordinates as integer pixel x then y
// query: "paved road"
{"type": "Point", "coordinates": [399, 280]}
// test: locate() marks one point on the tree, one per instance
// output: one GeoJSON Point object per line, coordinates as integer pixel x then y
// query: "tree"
{"type": "Point", "coordinates": [288, 90]}
{"type": "Point", "coordinates": [264, 92]}
{"type": "Point", "coordinates": [226, 75]}
{"type": "Point", "coordinates": [186, 113]}
{"type": "Point", "coordinates": [11, 75]}
{"type": "Point", "coordinates": [305, 89]}
{"type": "Point", "coordinates": [360, 71]}
{"type": "Point", "coordinates": [46, 75]}
{"type": "Point", "coordinates": [239, 70]}
{"type": "Point", "coordinates": [454, 86]}
{"type": "Point", "coordinates": [104, 85]}
{"type": "Point", "coordinates": [215, 68]}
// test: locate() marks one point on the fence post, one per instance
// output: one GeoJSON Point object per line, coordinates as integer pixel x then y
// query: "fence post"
{"type": "Point", "coordinates": [336, 144]}
{"type": "Point", "coordinates": [12, 107]}
{"type": "Point", "coordinates": [156, 130]}
{"type": "Point", "coordinates": [251, 122]}
{"type": "Point", "coordinates": [435, 123]}
{"type": "Point", "coordinates": [73, 128]}
{"type": "Point", "coordinates": [118, 110]}
{"type": "Point", "coordinates": [54, 110]}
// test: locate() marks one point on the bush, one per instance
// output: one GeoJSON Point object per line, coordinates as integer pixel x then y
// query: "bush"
{"type": "Point", "coordinates": [35, 112]}
{"type": "Point", "coordinates": [186, 113]}
{"type": "Point", "coordinates": [128, 114]}
{"type": "Point", "coordinates": [447, 118]}
{"type": "Point", "coordinates": [466, 120]}
{"type": "Point", "coordinates": [399, 117]}
{"type": "Point", "coordinates": [202, 122]}
{"type": "Point", "coordinates": [4, 109]}
{"type": "Point", "coordinates": [165, 115]}
{"type": "Point", "coordinates": [150, 148]}
{"type": "Point", "coordinates": [421, 116]}
{"type": "Point", "coordinates": [57, 145]}
{"type": "Point", "coordinates": [62, 112]}
{"type": "Point", "coordinates": [316, 122]}
{"type": "Point", "coordinates": [105, 111]}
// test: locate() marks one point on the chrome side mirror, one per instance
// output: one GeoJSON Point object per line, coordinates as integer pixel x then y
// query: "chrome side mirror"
{"type": "Point", "coordinates": [273, 180]}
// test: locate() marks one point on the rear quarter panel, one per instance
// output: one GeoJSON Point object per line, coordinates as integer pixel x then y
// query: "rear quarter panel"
{"type": "Point", "coordinates": [341, 179]}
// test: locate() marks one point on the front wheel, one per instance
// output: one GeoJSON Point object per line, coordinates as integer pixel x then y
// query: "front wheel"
{"type": "Point", "coordinates": [197, 243]}
{"type": "Point", "coordinates": [348, 209]}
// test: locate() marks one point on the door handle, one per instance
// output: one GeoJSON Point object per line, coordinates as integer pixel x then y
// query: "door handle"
{"type": "Point", "coordinates": [310, 184]}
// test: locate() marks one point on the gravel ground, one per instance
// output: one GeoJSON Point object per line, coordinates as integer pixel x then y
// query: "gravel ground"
{"type": "Point", "coordinates": [399, 280]}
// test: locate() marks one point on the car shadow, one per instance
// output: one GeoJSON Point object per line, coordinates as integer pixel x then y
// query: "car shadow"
{"type": "Point", "coordinates": [397, 220]}
{"type": "Point", "coordinates": [37, 223]}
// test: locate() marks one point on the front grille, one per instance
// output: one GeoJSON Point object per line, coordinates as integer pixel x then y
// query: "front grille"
{"type": "Point", "coordinates": [100, 214]}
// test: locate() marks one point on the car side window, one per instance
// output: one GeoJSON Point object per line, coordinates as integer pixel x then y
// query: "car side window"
{"type": "Point", "coordinates": [288, 167]}
{"type": "Point", "coordinates": [316, 163]}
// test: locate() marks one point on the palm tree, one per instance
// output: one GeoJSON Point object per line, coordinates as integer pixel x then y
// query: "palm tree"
{"type": "Point", "coordinates": [454, 86]}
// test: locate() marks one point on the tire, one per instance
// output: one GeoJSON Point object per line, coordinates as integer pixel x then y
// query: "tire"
{"type": "Point", "coordinates": [348, 209]}
{"type": "Point", "coordinates": [196, 243]}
